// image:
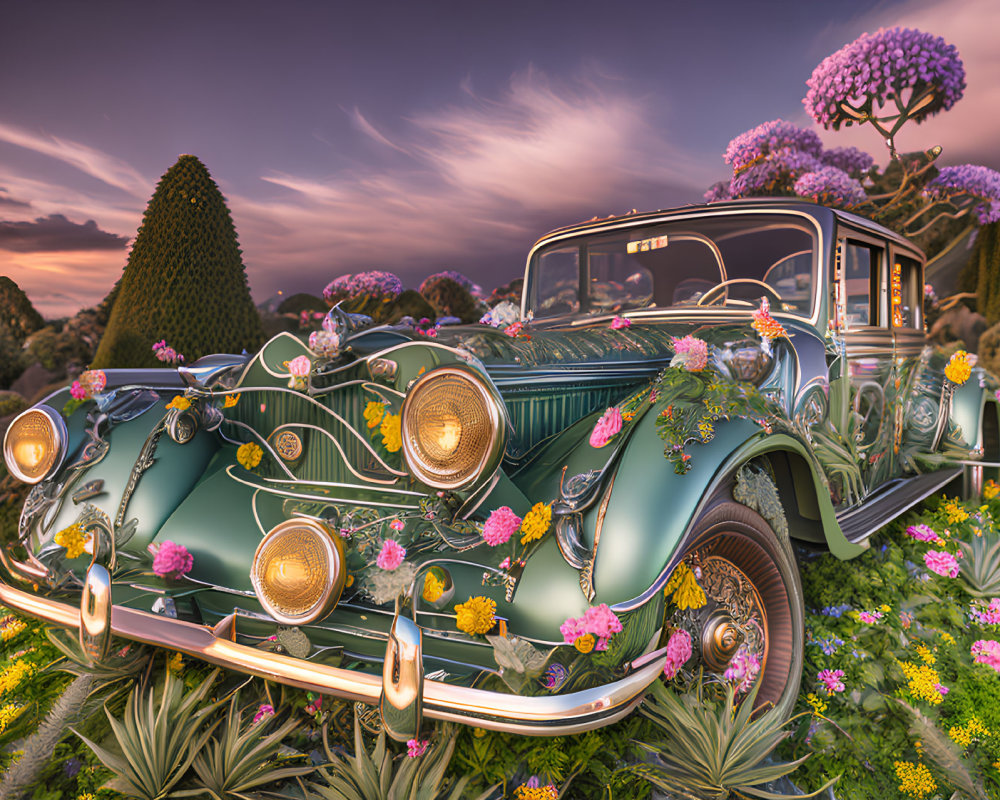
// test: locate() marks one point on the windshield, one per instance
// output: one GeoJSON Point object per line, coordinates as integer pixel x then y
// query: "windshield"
{"type": "Point", "coordinates": [730, 261]}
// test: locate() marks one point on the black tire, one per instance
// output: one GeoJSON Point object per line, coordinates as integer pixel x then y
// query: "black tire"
{"type": "Point", "coordinates": [749, 573]}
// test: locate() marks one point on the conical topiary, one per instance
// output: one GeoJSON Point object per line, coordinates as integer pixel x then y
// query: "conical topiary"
{"type": "Point", "coordinates": [982, 273]}
{"type": "Point", "coordinates": [184, 281]}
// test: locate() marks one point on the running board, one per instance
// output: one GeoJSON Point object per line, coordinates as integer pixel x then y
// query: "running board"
{"type": "Point", "coordinates": [861, 522]}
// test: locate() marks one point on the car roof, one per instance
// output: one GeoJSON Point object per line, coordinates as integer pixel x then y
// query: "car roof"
{"type": "Point", "coordinates": [764, 203]}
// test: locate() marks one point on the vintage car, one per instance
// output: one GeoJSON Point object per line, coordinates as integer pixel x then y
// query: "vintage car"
{"type": "Point", "coordinates": [518, 527]}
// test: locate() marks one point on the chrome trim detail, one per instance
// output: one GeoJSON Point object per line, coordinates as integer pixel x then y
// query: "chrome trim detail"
{"type": "Point", "coordinates": [401, 702]}
{"type": "Point", "coordinates": [551, 715]}
{"type": "Point", "coordinates": [216, 371]}
{"type": "Point", "coordinates": [318, 497]}
{"type": "Point", "coordinates": [59, 434]}
{"type": "Point", "coordinates": [95, 614]}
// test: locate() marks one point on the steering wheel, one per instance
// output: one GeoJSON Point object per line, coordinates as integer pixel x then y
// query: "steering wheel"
{"type": "Point", "coordinates": [720, 289]}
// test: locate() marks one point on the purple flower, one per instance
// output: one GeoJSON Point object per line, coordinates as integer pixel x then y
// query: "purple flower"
{"type": "Point", "coordinates": [678, 652]}
{"type": "Point", "coordinates": [263, 712]}
{"type": "Point", "coordinates": [718, 191]}
{"type": "Point", "coordinates": [851, 160]}
{"type": "Point", "coordinates": [830, 186]}
{"type": "Point", "coordinates": [979, 183]}
{"type": "Point", "coordinates": [774, 175]}
{"type": "Point", "coordinates": [377, 284]}
{"type": "Point", "coordinates": [172, 560]}
{"type": "Point", "coordinates": [770, 138]}
{"type": "Point", "coordinates": [879, 67]}
{"type": "Point", "coordinates": [831, 680]}
{"type": "Point", "coordinates": [554, 676]}
{"type": "Point", "coordinates": [922, 533]}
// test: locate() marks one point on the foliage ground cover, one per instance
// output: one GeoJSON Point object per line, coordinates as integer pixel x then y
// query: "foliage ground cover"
{"type": "Point", "coordinates": [900, 698]}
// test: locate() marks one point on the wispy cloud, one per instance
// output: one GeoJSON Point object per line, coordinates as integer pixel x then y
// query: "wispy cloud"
{"type": "Point", "coordinates": [107, 169]}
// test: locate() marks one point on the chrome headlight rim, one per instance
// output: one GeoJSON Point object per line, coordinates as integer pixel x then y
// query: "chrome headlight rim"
{"type": "Point", "coordinates": [336, 577]}
{"type": "Point", "coordinates": [60, 436]}
{"type": "Point", "coordinates": [491, 454]}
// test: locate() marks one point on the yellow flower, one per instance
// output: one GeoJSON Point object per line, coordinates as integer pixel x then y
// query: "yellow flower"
{"type": "Point", "coordinates": [249, 455]}
{"type": "Point", "coordinates": [914, 779]}
{"type": "Point", "coordinates": [991, 489]}
{"type": "Point", "coordinates": [584, 643]}
{"type": "Point", "coordinates": [685, 589]}
{"type": "Point", "coordinates": [818, 704]}
{"type": "Point", "coordinates": [74, 539]}
{"type": "Point", "coordinates": [180, 403]}
{"type": "Point", "coordinates": [946, 637]}
{"type": "Point", "coordinates": [923, 682]}
{"type": "Point", "coordinates": [476, 615]}
{"type": "Point", "coordinates": [525, 792]}
{"type": "Point", "coordinates": [373, 413]}
{"type": "Point", "coordinates": [885, 608]}
{"type": "Point", "coordinates": [959, 369]}
{"type": "Point", "coordinates": [231, 400]}
{"type": "Point", "coordinates": [175, 664]}
{"type": "Point", "coordinates": [12, 628]}
{"type": "Point", "coordinates": [8, 714]}
{"type": "Point", "coordinates": [433, 588]}
{"type": "Point", "coordinates": [536, 522]}
{"type": "Point", "coordinates": [391, 436]}
{"type": "Point", "coordinates": [925, 654]}
{"type": "Point", "coordinates": [965, 734]}
{"type": "Point", "coordinates": [479, 733]}
{"type": "Point", "coordinates": [15, 675]}
{"type": "Point", "coordinates": [954, 512]}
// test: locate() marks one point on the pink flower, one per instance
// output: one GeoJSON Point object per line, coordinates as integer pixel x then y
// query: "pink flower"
{"type": "Point", "coordinates": [678, 652]}
{"type": "Point", "coordinates": [263, 712]}
{"type": "Point", "coordinates": [77, 392]}
{"type": "Point", "coordinates": [501, 525]}
{"type": "Point", "coordinates": [831, 679]}
{"type": "Point", "coordinates": [620, 322]}
{"type": "Point", "coordinates": [299, 366]}
{"type": "Point", "coordinates": [942, 563]}
{"type": "Point", "coordinates": [691, 353]}
{"type": "Point", "coordinates": [93, 381]}
{"type": "Point", "coordinates": [397, 524]}
{"type": "Point", "coordinates": [391, 555]}
{"type": "Point", "coordinates": [743, 670]}
{"type": "Point", "coordinates": [869, 617]}
{"type": "Point", "coordinates": [505, 564]}
{"type": "Point", "coordinates": [607, 426]}
{"type": "Point", "coordinates": [922, 533]}
{"type": "Point", "coordinates": [514, 329]}
{"type": "Point", "coordinates": [416, 747]}
{"type": "Point", "coordinates": [941, 689]}
{"type": "Point", "coordinates": [989, 615]}
{"type": "Point", "coordinates": [598, 620]}
{"type": "Point", "coordinates": [172, 560]}
{"type": "Point", "coordinates": [987, 651]}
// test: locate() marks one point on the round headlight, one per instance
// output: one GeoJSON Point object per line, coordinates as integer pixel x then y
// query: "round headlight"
{"type": "Point", "coordinates": [298, 571]}
{"type": "Point", "coordinates": [35, 444]}
{"type": "Point", "coordinates": [452, 428]}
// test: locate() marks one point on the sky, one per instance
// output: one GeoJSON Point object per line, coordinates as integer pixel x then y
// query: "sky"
{"type": "Point", "coordinates": [412, 137]}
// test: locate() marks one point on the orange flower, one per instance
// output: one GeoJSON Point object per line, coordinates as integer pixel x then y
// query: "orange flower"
{"type": "Point", "coordinates": [766, 325]}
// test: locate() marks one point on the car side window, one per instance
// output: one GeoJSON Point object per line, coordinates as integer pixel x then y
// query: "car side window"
{"type": "Point", "coordinates": [557, 282]}
{"type": "Point", "coordinates": [907, 293]}
{"type": "Point", "coordinates": [862, 276]}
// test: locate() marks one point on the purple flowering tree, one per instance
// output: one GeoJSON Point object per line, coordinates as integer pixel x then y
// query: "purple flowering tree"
{"type": "Point", "coordinates": [885, 79]}
{"type": "Point", "coordinates": [768, 159]}
{"type": "Point", "coordinates": [957, 190]}
{"type": "Point", "coordinates": [831, 186]}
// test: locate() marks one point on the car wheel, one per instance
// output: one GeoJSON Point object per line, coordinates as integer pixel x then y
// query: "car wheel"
{"type": "Point", "coordinates": [753, 610]}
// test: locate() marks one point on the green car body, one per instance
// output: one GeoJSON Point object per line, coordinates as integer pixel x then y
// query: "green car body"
{"type": "Point", "coordinates": [825, 431]}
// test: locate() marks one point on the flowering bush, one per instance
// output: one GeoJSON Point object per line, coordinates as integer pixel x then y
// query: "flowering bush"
{"type": "Point", "coordinates": [769, 138]}
{"type": "Point", "coordinates": [374, 283]}
{"type": "Point", "coordinates": [880, 67]}
{"type": "Point", "coordinates": [851, 160]}
{"type": "Point", "coordinates": [830, 186]}
{"type": "Point", "coordinates": [980, 185]}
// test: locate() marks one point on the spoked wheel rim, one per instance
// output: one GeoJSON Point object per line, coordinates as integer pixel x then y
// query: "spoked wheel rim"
{"type": "Point", "coordinates": [753, 603]}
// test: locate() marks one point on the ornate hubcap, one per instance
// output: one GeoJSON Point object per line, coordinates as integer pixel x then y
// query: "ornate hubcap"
{"type": "Point", "coordinates": [720, 639]}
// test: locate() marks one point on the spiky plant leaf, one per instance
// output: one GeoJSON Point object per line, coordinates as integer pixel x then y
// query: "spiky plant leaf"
{"type": "Point", "coordinates": [113, 668]}
{"type": "Point", "coordinates": [243, 757]}
{"type": "Point", "coordinates": [980, 567]}
{"type": "Point", "coordinates": [711, 748]}
{"type": "Point", "coordinates": [158, 743]}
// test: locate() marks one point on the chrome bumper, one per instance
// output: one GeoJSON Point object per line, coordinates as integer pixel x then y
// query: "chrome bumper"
{"type": "Point", "coordinates": [553, 715]}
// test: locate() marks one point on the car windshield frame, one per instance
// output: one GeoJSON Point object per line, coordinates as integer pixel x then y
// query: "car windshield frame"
{"type": "Point", "coordinates": [631, 269]}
